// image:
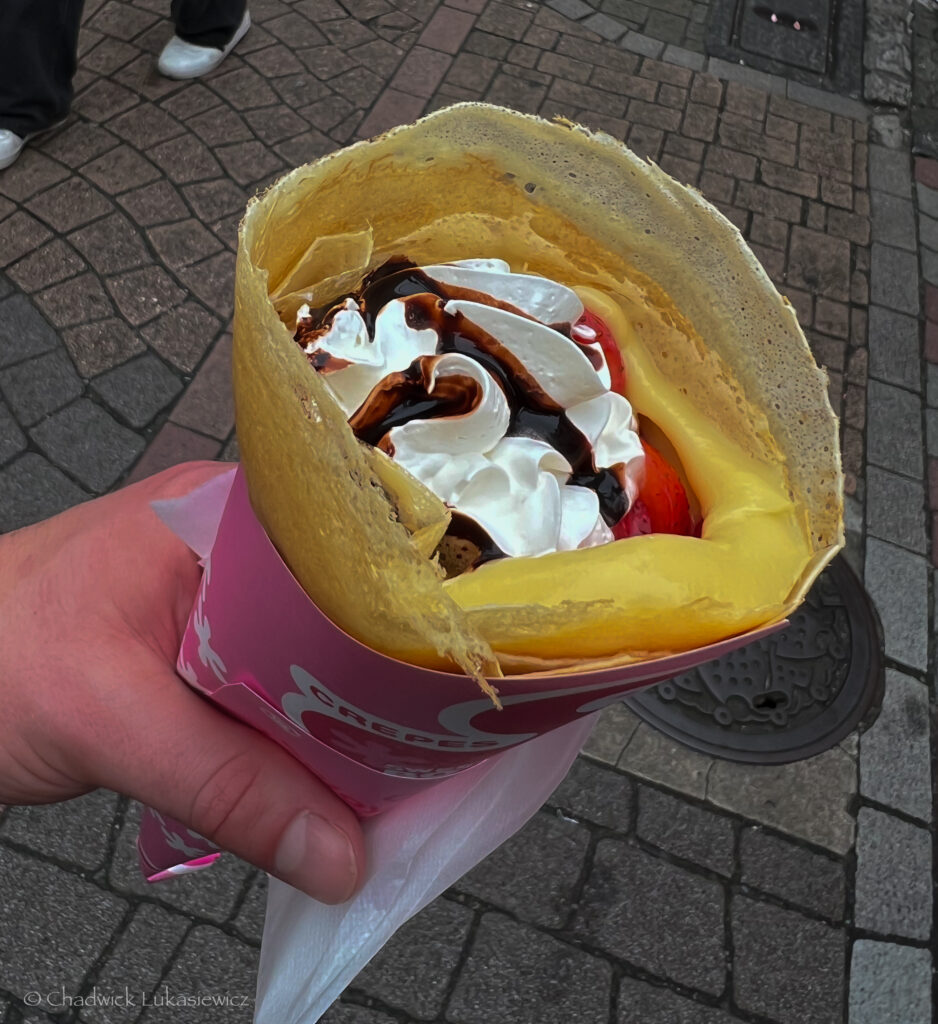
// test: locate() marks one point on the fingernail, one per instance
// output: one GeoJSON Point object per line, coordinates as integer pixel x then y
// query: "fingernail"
{"type": "Point", "coordinates": [317, 857]}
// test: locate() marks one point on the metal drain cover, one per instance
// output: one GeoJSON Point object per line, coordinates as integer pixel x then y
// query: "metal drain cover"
{"type": "Point", "coordinates": [817, 42]}
{"type": "Point", "coordinates": [788, 696]}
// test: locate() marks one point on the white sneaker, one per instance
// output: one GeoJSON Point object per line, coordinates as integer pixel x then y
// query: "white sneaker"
{"type": "Point", "coordinates": [181, 60]}
{"type": "Point", "coordinates": [11, 145]}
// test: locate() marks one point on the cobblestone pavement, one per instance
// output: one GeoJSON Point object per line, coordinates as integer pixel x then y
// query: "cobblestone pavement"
{"type": "Point", "coordinates": [657, 886]}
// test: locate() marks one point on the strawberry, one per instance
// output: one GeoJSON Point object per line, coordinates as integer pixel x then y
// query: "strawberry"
{"type": "Point", "coordinates": [610, 349]}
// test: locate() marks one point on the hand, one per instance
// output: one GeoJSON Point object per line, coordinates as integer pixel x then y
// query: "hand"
{"type": "Point", "coordinates": [93, 604]}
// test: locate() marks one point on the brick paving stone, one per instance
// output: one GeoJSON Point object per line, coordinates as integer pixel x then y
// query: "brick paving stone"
{"type": "Point", "coordinates": [45, 951]}
{"type": "Point", "coordinates": [23, 331]}
{"type": "Point", "coordinates": [19, 235]}
{"type": "Point", "coordinates": [894, 348]}
{"type": "Point", "coordinates": [231, 452]}
{"type": "Point", "coordinates": [893, 221]}
{"type": "Point", "coordinates": [890, 171]}
{"type": "Point", "coordinates": [340, 1013]}
{"type": "Point", "coordinates": [78, 143]}
{"type": "Point", "coordinates": [145, 126]}
{"type": "Point", "coordinates": [651, 755]}
{"type": "Point", "coordinates": [53, 262]}
{"type": "Point", "coordinates": [39, 386]}
{"type": "Point", "coordinates": [421, 72]}
{"type": "Point", "coordinates": [811, 798]}
{"type": "Point", "coordinates": [276, 60]}
{"type": "Point", "coordinates": [274, 124]}
{"type": "Point", "coordinates": [220, 125]}
{"type": "Point", "coordinates": [12, 439]}
{"type": "Point", "coordinates": [157, 203]}
{"type": "Point", "coordinates": [248, 162]}
{"type": "Point", "coordinates": [501, 879]}
{"type": "Point", "coordinates": [142, 295]}
{"type": "Point", "coordinates": [75, 301]}
{"type": "Point", "coordinates": [137, 390]}
{"type": "Point", "coordinates": [894, 753]}
{"type": "Point", "coordinates": [654, 914]}
{"type": "Point", "coordinates": [33, 172]}
{"type": "Point", "coordinates": [210, 895]}
{"type": "Point", "coordinates": [137, 960]}
{"type": "Point", "coordinates": [516, 973]}
{"type": "Point", "coordinates": [111, 245]}
{"type": "Point", "coordinates": [603, 25]}
{"type": "Point", "coordinates": [793, 873]}
{"type": "Point", "coordinates": [250, 919]}
{"type": "Point", "coordinates": [31, 489]}
{"type": "Point", "coordinates": [182, 335]}
{"type": "Point", "coordinates": [210, 963]}
{"type": "Point", "coordinates": [929, 265]}
{"type": "Point", "coordinates": [213, 199]}
{"type": "Point", "coordinates": [447, 30]}
{"type": "Point", "coordinates": [172, 445]}
{"type": "Point", "coordinates": [76, 830]}
{"type": "Point", "coordinates": [642, 1003]}
{"type": "Point", "coordinates": [890, 984]}
{"type": "Point", "coordinates": [819, 263]}
{"type": "Point", "coordinates": [208, 404]}
{"type": "Point", "coordinates": [413, 971]}
{"type": "Point", "coordinates": [121, 169]}
{"type": "Point", "coordinates": [595, 794]}
{"type": "Point", "coordinates": [244, 88]}
{"type": "Point", "coordinates": [636, 42]}
{"type": "Point", "coordinates": [611, 734]}
{"type": "Point", "coordinates": [89, 444]}
{"type": "Point", "coordinates": [303, 149]}
{"type": "Point", "coordinates": [893, 887]}
{"type": "Point", "coordinates": [785, 966]}
{"type": "Point", "coordinates": [685, 831]}
{"type": "Point", "coordinates": [488, 45]}
{"type": "Point", "coordinates": [770, 202]}
{"type": "Point", "coordinates": [183, 243]}
{"type": "Point", "coordinates": [895, 509]}
{"type": "Point", "coordinates": [894, 439]}
{"type": "Point", "coordinates": [70, 204]}
{"type": "Point", "coordinates": [212, 280]}
{"type": "Point", "coordinates": [99, 346]}
{"type": "Point", "coordinates": [185, 159]}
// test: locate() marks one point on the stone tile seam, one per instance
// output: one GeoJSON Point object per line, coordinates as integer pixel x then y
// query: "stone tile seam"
{"type": "Point", "coordinates": [732, 883]}
{"type": "Point", "coordinates": [856, 934]}
{"type": "Point", "coordinates": [143, 236]}
{"type": "Point", "coordinates": [704, 803]}
{"type": "Point", "coordinates": [149, 432]}
{"type": "Point", "coordinates": [437, 6]}
{"type": "Point", "coordinates": [133, 899]}
{"type": "Point", "coordinates": [620, 966]}
{"type": "Point", "coordinates": [721, 68]}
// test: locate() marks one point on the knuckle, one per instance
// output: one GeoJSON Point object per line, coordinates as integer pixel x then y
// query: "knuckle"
{"type": "Point", "coordinates": [222, 798]}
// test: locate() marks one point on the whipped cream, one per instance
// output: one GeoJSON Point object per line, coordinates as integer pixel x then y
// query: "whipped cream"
{"type": "Point", "coordinates": [476, 381]}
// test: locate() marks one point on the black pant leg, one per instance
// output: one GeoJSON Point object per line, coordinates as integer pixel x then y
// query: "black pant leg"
{"type": "Point", "coordinates": [207, 22]}
{"type": "Point", "coordinates": [38, 44]}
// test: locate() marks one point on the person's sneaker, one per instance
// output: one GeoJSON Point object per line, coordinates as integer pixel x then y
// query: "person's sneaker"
{"type": "Point", "coordinates": [11, 145]}
{"type": "Point", "coordinates": [181, 60]}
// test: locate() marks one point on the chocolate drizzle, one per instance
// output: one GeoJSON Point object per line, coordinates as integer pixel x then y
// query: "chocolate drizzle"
{"type": "Point", "coordinates": [403, 396]}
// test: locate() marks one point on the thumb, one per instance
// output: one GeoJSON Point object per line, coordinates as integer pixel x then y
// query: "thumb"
{"type": "Point", "coordinates": [232, 785]}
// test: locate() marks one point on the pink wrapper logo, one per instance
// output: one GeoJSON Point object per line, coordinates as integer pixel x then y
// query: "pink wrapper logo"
{"type": "Point", "coordinates": [315, 698]}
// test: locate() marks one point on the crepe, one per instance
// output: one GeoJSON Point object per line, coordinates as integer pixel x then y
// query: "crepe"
{"type": "Point", "coordinates": [714, 358]}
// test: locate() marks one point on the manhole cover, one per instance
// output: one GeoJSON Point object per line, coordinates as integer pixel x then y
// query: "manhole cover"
{"type": "Point", "coordinates": [818, 42]}
{"type": "Point", "coordinates": [785, 697]}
